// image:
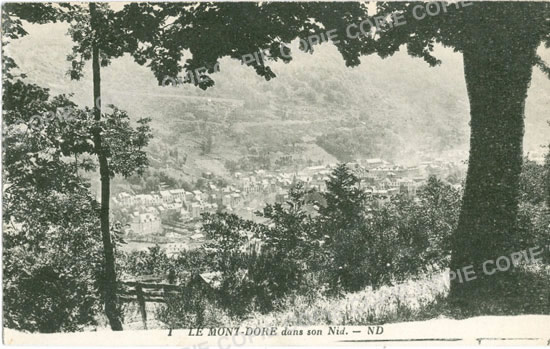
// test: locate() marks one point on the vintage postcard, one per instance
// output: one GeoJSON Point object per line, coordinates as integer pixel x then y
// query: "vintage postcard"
{"type": "Point", "coordinates": [225, 174]}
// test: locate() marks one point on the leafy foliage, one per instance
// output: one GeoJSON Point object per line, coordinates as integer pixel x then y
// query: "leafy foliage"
{"type": "Point", "coordinates": [49, 217]}
{"type": "Point", "coordinates": [165, 27]}
{"type": "Point", "coordinates": [151, 262]}
{"type": "Point", "coordinates": [191, 309]}
{"type": "Point", "coordinates": [48, 212]}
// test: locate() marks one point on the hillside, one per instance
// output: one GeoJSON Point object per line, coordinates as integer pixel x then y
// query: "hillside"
{"type": "Point", "coordinates": [316, 110]}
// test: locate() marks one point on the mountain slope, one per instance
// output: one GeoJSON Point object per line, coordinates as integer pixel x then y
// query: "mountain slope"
{"type": "Point", "coordinates": [398, 108]}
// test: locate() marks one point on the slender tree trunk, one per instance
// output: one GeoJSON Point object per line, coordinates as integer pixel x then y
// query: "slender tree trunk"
{"type": "Point", "coordinates": [109, 282]}
{"type": "Point", "coordinates": [498, 70]}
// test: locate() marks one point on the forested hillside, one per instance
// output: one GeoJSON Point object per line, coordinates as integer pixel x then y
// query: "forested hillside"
{"type": "Point", "coordinates": [317, 110]}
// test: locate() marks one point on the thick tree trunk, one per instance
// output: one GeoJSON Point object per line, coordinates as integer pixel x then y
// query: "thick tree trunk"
{"type": "Point", "coordinates": [109, 282]}
{"type": "Point", "coordinates": [498, 70]}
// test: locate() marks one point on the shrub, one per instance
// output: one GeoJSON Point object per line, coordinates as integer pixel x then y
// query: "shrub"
{"type": "Point", "coordinates": [44, 293]}
{"type": "Point", "coordinates": [191, 309]}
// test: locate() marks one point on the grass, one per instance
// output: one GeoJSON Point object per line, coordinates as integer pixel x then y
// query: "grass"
{"type": "Point", "coordinates": [522, 292]}
{"type": "Point", "coordinates": [401, 302]}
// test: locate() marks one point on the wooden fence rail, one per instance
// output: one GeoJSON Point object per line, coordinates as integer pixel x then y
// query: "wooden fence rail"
{"type": "Point", "coordinates": [142, 292]}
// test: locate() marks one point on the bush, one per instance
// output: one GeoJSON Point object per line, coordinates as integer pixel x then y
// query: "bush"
{"type": "Point", "coordinates": [44, 293]}
{"type": "Point", "coordinates": [392, 242]}
{"type": "Point", "coordinates": [152, 261]}
{"type": "Point", "coordinates": [191, 309]}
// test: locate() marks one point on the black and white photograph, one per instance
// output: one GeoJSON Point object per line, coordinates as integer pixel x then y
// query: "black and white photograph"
{"type": "Point", "coordinates": [282, 173]}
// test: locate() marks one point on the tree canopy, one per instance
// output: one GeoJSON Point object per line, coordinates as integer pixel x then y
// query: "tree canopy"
{"type": "Point", "coordinates": [193, 37]}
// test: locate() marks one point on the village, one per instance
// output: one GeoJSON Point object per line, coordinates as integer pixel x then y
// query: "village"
{"type": "Point", "coordinates": [172, 217]}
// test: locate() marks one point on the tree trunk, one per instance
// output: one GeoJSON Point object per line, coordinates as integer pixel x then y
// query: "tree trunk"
{"type": "Point", "coordinates": [109, 282]}
{"type": "Point", "coordinates": [497, 70]}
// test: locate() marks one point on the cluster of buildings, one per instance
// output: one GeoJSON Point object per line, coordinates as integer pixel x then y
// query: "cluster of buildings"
{"type": "Point", "coordinates": [148, 211]}
{"type": "Point", "coordinates": [379, 178]}
{"type": "Point", "coordinates": [382, 179]}
{"type": "Point", "coordinates": [173, 213]}
{"type": "Point", "coordinates": [151, 213]}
